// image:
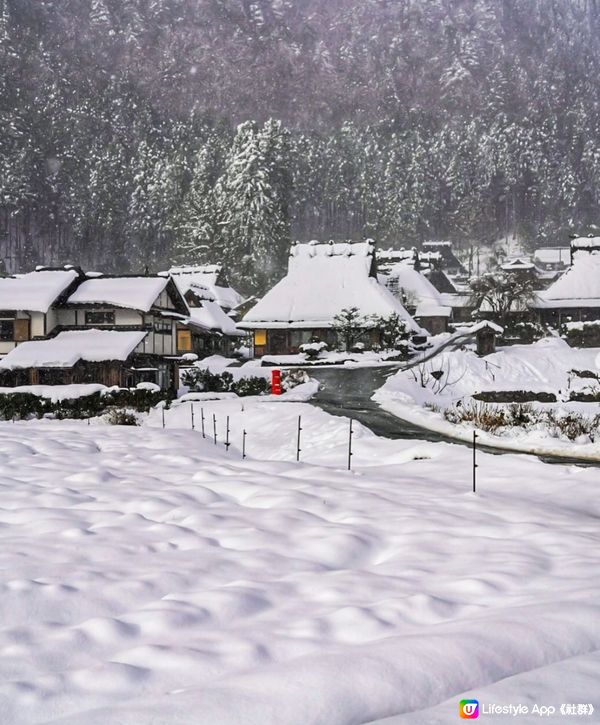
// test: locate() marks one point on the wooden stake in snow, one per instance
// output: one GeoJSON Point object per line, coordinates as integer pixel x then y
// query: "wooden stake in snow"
{"type": "Point", "coordinates": [202, 419]}
{"type": "Point", "coordinates": [474, 462]}
{"type": "Point", "coordinates": [215, 428]}
{"type": "Point", "coordinates": [163, 415]}
{"type": "Point", "coordinates": [192, 409]}
{"type": "Point", "coordinates": [350, 433]}
{"type": "Point", "coordinates": [243, 444]}
{"type": "Point", "coordinates": [298, 449]}
{"type": "Point", "coordinates": [227, 444]}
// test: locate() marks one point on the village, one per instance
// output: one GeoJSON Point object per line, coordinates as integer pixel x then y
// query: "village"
{"type": "Point", "coordinates": [140, 328]}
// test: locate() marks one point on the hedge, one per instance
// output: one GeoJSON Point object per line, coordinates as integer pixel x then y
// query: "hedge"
{"type": "Point", "coordinates": [22, 406]}
{"type": "Point", "coordinates": [514, 396]}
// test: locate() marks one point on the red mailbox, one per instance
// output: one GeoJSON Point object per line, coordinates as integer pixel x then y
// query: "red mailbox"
{"type": "Point", "coordinates": [276, 388]}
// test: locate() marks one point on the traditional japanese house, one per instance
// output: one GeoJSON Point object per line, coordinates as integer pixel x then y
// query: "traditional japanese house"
{"type": "Point", "coordinates": [210, 328]}
{"type": "Point", "coordinates": [322, 280]}
{"type": "Point", "coordinates": [76, 356]}
{"type": "Point", "coordinates": [28, 301]}
{"type": "Point", "coordinates": [575, 296]}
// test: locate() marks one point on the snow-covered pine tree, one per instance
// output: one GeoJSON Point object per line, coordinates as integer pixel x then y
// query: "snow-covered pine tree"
{"type": "Point", "coordinates": [196, 220]}
{"type": "Point", "coordinates": [252, 214]}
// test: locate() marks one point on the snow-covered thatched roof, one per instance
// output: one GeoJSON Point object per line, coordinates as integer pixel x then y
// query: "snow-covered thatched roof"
{"type": "Point", "coordinates": [517, 263]}
{"type": "Point", "coordinates": [552, 255]}
{"type": "Point", "coordinates": [406, 281]}
{"type": "Point", "coordinates": [579, 286]}
{"type": "Point", "coordinates": [69, 347]}
{"type": "Point", "coordinates": [135, 293]}
{"type": "Point", "coordinates": [208, 276]}
{"type": "Point", "coordinates": [322, 280]}
{"type": "Point", "coordinates": [35, 291]}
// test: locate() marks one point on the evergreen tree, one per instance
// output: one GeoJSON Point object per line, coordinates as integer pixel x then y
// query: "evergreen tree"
{"type": "Point", "coordinates": [253, 226]}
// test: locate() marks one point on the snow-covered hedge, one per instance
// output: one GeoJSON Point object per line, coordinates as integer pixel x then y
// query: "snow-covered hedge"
{"type": "Point", "coordinates": [496, 419]}
{"type": "Point", "coordinates": [581, 334]}
{"type": "Point", "coordinates": [201, 380]}
{"type": "Point", "coordinates": [21, 406]}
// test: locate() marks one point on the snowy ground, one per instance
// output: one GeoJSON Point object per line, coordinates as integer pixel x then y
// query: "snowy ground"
{"type": "Point", "coordinates": [544, 367]}
{"type": "Point", "coordinates": [147, 576]}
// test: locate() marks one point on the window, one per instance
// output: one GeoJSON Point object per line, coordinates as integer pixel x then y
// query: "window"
{"type": "Point", "coordinates": [260, 337]}
{"type": "Point", "coordinates": [184, 341]}
{"type": "Point", "coordinates": [100, 317]}
{"type": "Point", "coordinates": [163, 327]}
{"type": "Point", "coordinates": [7, 330]}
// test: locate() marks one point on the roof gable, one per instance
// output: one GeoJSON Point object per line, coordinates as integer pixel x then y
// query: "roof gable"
{"type": "Point", "coordinates": [35, 291]}
{"type": "Point", "coordinates": [209, 276]}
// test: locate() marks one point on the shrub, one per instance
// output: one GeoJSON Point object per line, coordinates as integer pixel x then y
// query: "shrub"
{"type": "Point", "coordinates": [117, 416]}
{"type": "Point", "coordinates": [201, 380]}
{"type": "Point", "coordinates": [514, 396]}
{"type": "Point", "coordinates": [251, 386]}
{"type": "Point", "coordinates": [581, 334]}
{"type": "Point", "coordinates": [292, 377]}
{"type": "Point", "coordinates": [312, 350]}
{"type": "Point", "coordinates": [492, 417]}
{"type": "Point", "coordinates": [22, 406]}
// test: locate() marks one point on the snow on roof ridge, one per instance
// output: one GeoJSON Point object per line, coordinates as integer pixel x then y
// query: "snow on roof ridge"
{"type": "Point", "coordinates": [583, 242]}
{"type": "Point", "coordinates": [331, 248]}
{"type": "Point", "coordinates": [194, 269]}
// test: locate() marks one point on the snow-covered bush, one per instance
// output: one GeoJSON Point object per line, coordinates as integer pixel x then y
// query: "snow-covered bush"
{"type": "Point", "coordinates": [393, 330]}
{"type": "Point", "coordinates": [22, 406]}
{"type": "Point", "coordinates": [117, 416]}
{"type": "Point", "coordinates": [293, 377]}
{"type": "Point", "coordinates": [251, 386]}
{"type": "Point", "coordinates": [349, 325]}
{"type": "Point", "coordinates": [312, 350]}
{"type": "Point", "coordinates": [201, 380]}
{"type": "Point", "coordinates": [497, 418]}
{"type": "Point", "coordinates": [581, 334]}
{"type": "Point", "coordinates": [524, 332]}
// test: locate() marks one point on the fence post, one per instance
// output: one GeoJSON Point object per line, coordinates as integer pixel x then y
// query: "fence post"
{"type": "Point", "coordinates": [474, 462]}
{"type": "Point", "coordinates": [243, 444]}
{"type": "Point", "coordinates": [215, 428]}
{"type": "Point", "coordinates": [227, 444]}
{"type": "Point", "coordinates": [298, 449]}
{"type": "Point", "coordinates": [202, 419]}
{"type": "Point", "coordinates": [193, 428]}
{"type": "Point", "coordinates": [163, 415]}
{"type": "Point", "coordinates": [350, 446]}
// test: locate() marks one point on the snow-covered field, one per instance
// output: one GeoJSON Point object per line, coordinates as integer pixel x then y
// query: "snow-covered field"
{"type": "Point", "coordinates": [146, 576]}
{"type": "Point", "coordinates": [453, 377]}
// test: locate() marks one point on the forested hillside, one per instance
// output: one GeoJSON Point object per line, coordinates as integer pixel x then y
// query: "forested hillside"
{"type": "Point", "coordinates": [135, 132]}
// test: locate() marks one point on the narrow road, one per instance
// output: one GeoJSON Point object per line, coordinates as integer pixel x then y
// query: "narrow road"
{"type": "Point", "coordinates": [347, 392]}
